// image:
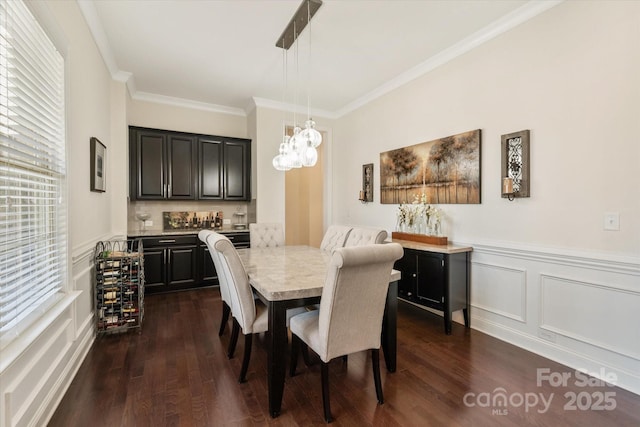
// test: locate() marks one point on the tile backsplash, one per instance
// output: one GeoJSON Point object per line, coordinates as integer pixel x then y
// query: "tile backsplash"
{"type": "Point", "coordinates": [156, 208]}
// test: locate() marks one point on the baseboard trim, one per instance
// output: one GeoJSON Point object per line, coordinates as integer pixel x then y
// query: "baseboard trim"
{"type": "Point", "coordinates": [626, 379]}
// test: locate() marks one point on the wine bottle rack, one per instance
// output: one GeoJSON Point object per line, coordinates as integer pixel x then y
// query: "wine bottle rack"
{"type": "Point", "coordinates": [119, 289]}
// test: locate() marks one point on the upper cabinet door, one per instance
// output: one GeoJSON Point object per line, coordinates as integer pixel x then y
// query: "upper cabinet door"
{"type": "Point", "coordinates": [150, 161]}
{"type": "Point", "coordinates": [181, 167]}
{"type": "Point", "coordinates": [237, 170]}
{"type": "Point", "coordinates": [210, 164]}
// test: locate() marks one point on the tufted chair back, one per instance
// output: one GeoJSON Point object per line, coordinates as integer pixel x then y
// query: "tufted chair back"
{"type": "Point", "coordinates": [335, 237]}
{"type": "Point", "coordinates": [204, 236]}
{"type": "Point", "coordinates": [351, 311]}
{"type": "Point", "coordinates": [365, 236]}
{"type": "Point", "coordinates": [266, 235]}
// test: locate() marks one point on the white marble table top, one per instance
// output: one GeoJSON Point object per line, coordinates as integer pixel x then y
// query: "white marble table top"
{"type": "Point", "coordinates": [289, 272]}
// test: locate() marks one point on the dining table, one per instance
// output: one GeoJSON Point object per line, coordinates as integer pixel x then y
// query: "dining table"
{"type": "Point", "coordinates": [286, 277]}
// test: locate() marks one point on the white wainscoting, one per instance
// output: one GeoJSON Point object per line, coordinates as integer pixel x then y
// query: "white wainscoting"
{"type": "Point", "coordinates": [500, 290]}
{"type": "Point", "coordinates": [34, 382]}
{"type": "Point", "coordinates": [578, 309]}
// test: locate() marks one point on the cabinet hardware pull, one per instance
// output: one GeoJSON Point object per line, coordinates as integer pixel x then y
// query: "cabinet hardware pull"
{"type": "Point", "coordinates": [230, 237]}
{"type": "Point", "coordinates": [167, 241]}
{"type": "Point", "coordinates": [414, 275]}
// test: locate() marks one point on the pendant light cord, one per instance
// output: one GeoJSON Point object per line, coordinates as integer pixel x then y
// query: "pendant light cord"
{"type": "Point", "coordinates": [309, 61]}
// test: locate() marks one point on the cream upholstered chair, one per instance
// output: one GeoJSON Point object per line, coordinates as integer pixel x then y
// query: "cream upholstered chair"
{"type": "Point", "coordinates": [266, 235]}
{"type": "Point", "coordinates": [249, 315]}
{"type": "Point", "coordinates": [365, 236]}
{"type": "Point", "coordinates": [224, 291]}
{"type": "Point", "coordinates": [351, 310]}
{"type": "Point", "coordinates": [335, 237]}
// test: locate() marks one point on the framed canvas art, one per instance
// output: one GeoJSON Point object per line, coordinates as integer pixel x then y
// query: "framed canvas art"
{"type": "Point", "coordinates": [98, 165]}
{"type": "Point", "coordinates": [446, 170]}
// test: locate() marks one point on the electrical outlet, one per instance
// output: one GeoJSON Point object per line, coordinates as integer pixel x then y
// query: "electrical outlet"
{"type": "Point", "coordinates": [226, 221]}
{"type": "Point", "coordinates": [612, 221]}
{"type": "Point", "coordinates": [148, 223]}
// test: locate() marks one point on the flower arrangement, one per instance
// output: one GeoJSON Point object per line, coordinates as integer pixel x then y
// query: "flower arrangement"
{"type": "Point", "coordinates": [419, 217]}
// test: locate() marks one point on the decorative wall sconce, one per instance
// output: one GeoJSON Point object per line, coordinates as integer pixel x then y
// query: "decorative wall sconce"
{"type": "Point", "coordinates": [515, 165]}
{"type": "Point", "coordinates": [366, 194]}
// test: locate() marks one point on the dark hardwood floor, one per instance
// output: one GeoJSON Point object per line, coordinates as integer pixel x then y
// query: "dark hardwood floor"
{"type": "Point", "coordinates": [176, 373]}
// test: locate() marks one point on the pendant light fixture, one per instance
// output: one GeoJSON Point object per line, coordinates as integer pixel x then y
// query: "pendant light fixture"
{"type": "Point", "coordinates": [301, 148]}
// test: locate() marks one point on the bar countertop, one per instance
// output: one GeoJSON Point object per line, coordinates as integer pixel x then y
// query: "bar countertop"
{"type": "Point", "coordinates": [186, 231]}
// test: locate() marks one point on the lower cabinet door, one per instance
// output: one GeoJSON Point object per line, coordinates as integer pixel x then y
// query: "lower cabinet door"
{"type": "Point", "coordinates": [408, 267]}
{"type": "Point", "coordinates": [155, 276]}
{"type": "Point", "coordinates": [207, 270]}
{"type": "Point", "coordinates": [182, 262]}
{"type": "Point", "coordinates": [431, 279]}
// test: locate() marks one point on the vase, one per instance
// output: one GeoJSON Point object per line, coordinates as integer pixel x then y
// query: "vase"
{"type": "Point", "coordinates": [436, 228]}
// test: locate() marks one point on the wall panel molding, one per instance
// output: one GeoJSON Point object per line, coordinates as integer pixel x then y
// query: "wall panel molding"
{"type": "Point", "coordinates": [582, 318]}
{"type": "Point", "coordinates": [502, 279]}
{"type": "Point", "coordinates": [86, 249]}
{"type": "Point", "coordinates": [582, 307]}
{"type": "Point", "coordinates": [604, 262]}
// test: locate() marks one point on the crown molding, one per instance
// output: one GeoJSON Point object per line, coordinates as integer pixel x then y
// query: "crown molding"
{"type": "Point", "coordinates": [291, 108]}
{"type": "Point", "coordinates": [100, 37]}
{"type": "Point", "coordinates": [187, 103]}
{"type": "Point", "coordinates": [502, 25]}
{"type": "Point", "coordinates": [509, 21]}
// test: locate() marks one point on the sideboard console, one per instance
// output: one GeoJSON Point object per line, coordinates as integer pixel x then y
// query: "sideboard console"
{"type": "Point", "coordinates": [436, 276]}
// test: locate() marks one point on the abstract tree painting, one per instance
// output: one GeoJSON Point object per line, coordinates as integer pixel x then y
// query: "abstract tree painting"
{"type": "Point", "coordinates": [446, 170]}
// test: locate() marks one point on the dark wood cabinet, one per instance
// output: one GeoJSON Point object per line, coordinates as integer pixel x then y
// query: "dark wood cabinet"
{"type": "Point", "coordinates": [177, 262]}
{"type": "Point", "coordinates": [170, 263]}
{"type": "Point", "coordinates": [206, 270]}
{"type": "Point", "coordinates": [162, 165]}
{"type": "Point", "coordinates": [181, 167]}
{"type": "Point", "coordinates": [155, 272]}
{"type": "Point", "coordinates": [437, 280]}
{"type": "Point", "coordinates": [184, 166]}
{"type": "Point", "coordinates": [224, 169]}
{"type": "Point", "coordinates": [237, 167]}
{"type": "Point", "coordinates": [210, 162]}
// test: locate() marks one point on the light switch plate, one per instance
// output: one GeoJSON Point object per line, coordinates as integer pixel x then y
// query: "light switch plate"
{"type": "Point", "coordinates": [226, 221]}
{"type": "Point", "coordinates": [612, 221]}
{"type": "Point", "coordinates": [148, 223]}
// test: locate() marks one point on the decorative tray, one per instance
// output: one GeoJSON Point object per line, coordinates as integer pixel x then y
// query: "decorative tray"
{"type": "Point", "coordinates": [422, 238]}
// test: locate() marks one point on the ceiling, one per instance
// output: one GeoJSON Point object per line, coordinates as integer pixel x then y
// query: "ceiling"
{"type": "Point", "coordinates": [221, 55]}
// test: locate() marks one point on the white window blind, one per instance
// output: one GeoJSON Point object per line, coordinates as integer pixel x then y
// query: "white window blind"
{"type": "Point", "coordinates": [33, 230]}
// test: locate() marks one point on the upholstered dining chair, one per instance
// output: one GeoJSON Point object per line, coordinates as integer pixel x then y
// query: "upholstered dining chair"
{"type": "Point", "coordinates": [365, 236]}
{"type": "Point", "coordinates": [266, 235]}
{"type": "Point", "coordinates": [224, 291]}
{"type": "Point", "coordinates": [334, 237]}
{"type": "Point", "coordinates": [351, 311]}
{"type": "Point", "coordinates": [248, 314]}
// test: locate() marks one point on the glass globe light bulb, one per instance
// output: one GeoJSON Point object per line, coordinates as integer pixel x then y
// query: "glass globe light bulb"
{"type": "Point", "coordinates": [279, 163]}
{"type": "Point", "coordinates": [310, 156]}
{"type": "Point", "coordinates": [297, 140]}
{"type": "Point", "coordinates": [311, 134]}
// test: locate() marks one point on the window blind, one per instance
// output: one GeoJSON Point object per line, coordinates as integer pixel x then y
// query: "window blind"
{"type": "Point", "coordinates": [33, 226]}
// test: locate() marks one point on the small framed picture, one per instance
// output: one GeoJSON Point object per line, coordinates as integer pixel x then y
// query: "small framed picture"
{"type": "Point", "coordinates": [98, 166]}
{"type": "Point", "coordinates": [367, 182]}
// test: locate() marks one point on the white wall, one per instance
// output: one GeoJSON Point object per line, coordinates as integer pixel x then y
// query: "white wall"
{"type": "Point", "coordinates": [183, 119]}
{"type": "Point", "coordinates": [270, 183]}
{"type": "Point", "coordinates": [39, 366]}
{"type": "Point", "coordinates": [545, 275]}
